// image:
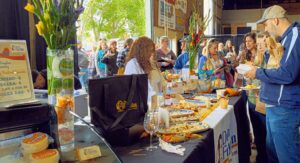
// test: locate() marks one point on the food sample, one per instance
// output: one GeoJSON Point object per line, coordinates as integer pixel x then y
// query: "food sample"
{"type": "Point", "coordinates": [204, 114]}
{"type": "Point", "coordinates": [231, 92]}
{"type": "Point", "coordinates": [87, 153]}
{"type": "Point", "coordinates": [193, 117]}
{"type": "Point", "coordinates": [185, 127]}
{"type": "Point", "coordinates": [35, 143]}
{"type": "Point", "coordinates": [180, 113]}
{"type": "Point", "coordinates": [186, 105]}
{"type": "Point", "coordinates": [249, 86]}
{"type": "Point", "coordinates": [223, 103]}
{"type": "Point", "coordinates": [45, 156]}
{"type": "Point", "coordinates": [176, 138]}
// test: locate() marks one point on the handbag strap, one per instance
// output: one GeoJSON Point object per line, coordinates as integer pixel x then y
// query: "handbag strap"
{"type": "Point", "coordinates": [142, 97]}
{"type": "Point", "coordinates": [128, 103]}
{"type": "Point", "coordinates": [106, 96]}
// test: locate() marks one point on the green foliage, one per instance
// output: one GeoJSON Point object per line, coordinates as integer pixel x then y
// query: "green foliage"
{"type": "Point", "coordinates": [114, 18]}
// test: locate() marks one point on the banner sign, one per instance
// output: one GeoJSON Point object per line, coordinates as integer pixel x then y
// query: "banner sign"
{"type": "Point", "coordinates": [166, 14]}
{"type": "Point", "coordinates": [15, 73]}
{"type": "Point", "coordinates": [224, 125]}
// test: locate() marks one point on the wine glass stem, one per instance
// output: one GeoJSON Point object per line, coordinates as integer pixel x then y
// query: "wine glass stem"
{"type": "Point", "coordinates": [151, 141]}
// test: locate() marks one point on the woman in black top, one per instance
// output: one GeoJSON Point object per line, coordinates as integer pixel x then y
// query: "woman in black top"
{"type": "Point", "coordinates": [110, 59]}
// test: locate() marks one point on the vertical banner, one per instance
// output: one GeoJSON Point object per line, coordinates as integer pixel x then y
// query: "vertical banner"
{"type": "Point", "coordinates": [225, 135]}
{"type": "Point", "coordinates": [181, 10]}
{"type": "Point", "coordinates": [15, 74]}
{"type": "Point", "coordinates": [166, 14]}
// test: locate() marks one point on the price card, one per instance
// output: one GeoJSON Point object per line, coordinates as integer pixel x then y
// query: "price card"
{"type": "Point", "coordinates": [16, 85]}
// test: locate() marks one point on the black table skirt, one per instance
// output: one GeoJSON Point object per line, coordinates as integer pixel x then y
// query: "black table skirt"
{"type": "Point", "coordinates": [243, 128]}
{"type": "Point", "coordinates": [198, 150]}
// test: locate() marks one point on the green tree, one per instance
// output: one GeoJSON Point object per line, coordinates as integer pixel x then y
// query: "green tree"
{"type": "Point", "coordinates": [113, 18]}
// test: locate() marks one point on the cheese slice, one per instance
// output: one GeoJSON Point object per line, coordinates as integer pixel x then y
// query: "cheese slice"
{"type": "Point", "coordinates": [87, 153]}
{"type": "Point", "coordinates": [35, 143]}
{"type": "Point", "coordinates": [45, 156]}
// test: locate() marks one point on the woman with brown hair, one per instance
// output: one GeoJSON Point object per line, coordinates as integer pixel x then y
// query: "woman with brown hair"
{"type": "Point", "coordinates": [248, 55]}
{"type": "Point", "coordinates": [229, 48]}
{"type": "Point", "coordinates": [141, 60]}
{"type": "Point", "coordinates": [110, 59]}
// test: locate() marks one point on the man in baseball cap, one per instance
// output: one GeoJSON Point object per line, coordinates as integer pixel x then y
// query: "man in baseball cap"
{"type": "Point", "coordinates": [272, 12]}
{"type": "Point", "coordinates": [280, 89]}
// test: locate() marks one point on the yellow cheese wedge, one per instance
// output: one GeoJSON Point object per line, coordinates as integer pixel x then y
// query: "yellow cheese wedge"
{"type": "Point", "coordinates": [87, 153]}
{"type": "Point", "coordinates": [36, 143]}
{"type": "Point", "coordinates": [45, 156]}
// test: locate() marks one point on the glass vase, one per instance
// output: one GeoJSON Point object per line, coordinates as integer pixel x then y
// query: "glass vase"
{"type": "Point", "coordinates": [60, 80]}
{"type": "Point", "coordinates": [193, 64]}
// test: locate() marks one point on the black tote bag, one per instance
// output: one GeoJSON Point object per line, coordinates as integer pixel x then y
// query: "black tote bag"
{"type": "Point", "coordinates": [118, 105]}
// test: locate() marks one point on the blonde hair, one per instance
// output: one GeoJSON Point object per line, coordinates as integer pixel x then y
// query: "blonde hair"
{"type": "Point", "coordinates": [259, 58]}
{"type": "Point", "coordinates": [276, 51]}
{"type": "Point", "coordinates": [210, 43]}
{"type": "Point", "coordinates": [142, 49]}
{"type": "Point", "coordinates": [102, 42]}
{"type": "Point", "coordinates": [163, 38]}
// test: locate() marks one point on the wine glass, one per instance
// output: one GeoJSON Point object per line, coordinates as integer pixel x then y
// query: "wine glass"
{"type": "Point", "coordinates": [151, 126]}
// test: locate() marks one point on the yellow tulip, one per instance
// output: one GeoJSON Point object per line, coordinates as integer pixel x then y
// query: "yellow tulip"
{"type": "Point", "coordinates": [46, 1]}
{"type": "Point", "coordinates": [29, 7]}
{"type": "Point", "coordinates": [46, 16]}
{"type": "Point", "coordinates": [40, 28]}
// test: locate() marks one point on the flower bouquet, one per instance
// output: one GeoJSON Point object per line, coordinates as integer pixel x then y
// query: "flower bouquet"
{"type": "Point", "coordinates": [197, 27]}
{"type": "Point", "coordinates": [56, 24]}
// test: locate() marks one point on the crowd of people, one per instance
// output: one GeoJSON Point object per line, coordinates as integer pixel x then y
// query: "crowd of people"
{"type": "Point", "coordinates": [275, 68]}
{"type": "Point", "coordinates": [273, 56]}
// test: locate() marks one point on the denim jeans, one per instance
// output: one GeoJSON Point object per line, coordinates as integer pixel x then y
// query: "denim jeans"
{"type": "Point", "coordinates": [92, 73]}
{"type": "Point", "coordinates": [258, 122]}
{"type": "Point", "coordinates": [102, 73]}
{"type": "Point", "coordinates": [283, 134]}
{"type": "Point", "coordinates": [83, 77]}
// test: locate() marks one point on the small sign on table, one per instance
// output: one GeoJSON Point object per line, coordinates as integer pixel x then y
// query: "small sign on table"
{"type": "Point", "coordinates": [15, 74]}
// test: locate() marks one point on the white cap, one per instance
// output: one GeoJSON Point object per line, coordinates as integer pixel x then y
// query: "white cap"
{"type": "Point", "coordinates": [272, 12]}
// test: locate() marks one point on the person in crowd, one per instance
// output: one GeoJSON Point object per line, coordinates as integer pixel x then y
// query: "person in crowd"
{"type": "Point", "coordinates": [280, 89]}
{"type": "Point", "coordinates": [165, 57]}
{"type": "Point", "coordinates": [230, 55]}
{"type": "Point", "coordinates": [241, 48]}
{"type": "Point", "coordinates": [83, 63]}
{"type": "Point", "coordinates": [110, 59]}
{"type": "Point", "coordinates": [202, 48]}
{"type": "Point", "coordinates": [221, 49]}
{"type": "Point", "coordinates": [122, 55]}
{"type": "Point", "coordinates": [100, 66]}
{"type": "Point", "coordinates": [183, 59]}
{"type": "Point", "coordinates": [258, 120]}
{"type": "Point", "coordinates": [211, 66]}
{"type": "Point", "coordinates": [238, 78]}
{"type": "Point", "coordinates": [39, 80]}
{"type": "Point", "coordinates": [141, 60]}
{"type": "Point", "coordinates": [92, 65]}
{"type": "Point", "coordinates": [229, 48]}
{"type": "Point", "coordinates": [249, 53]}
{"type": "Point", "coordinates": [275, 52]}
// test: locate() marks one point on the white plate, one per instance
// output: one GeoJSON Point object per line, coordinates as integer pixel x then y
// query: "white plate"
{"type": "Point", "coordinates": [185, 127]}
{"type": "Point", "coordinates": [243, 68]}
{"type": "Point", "coordinates": [180, 113]}
{"type": "Point", "coordinates": [249, 89]}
